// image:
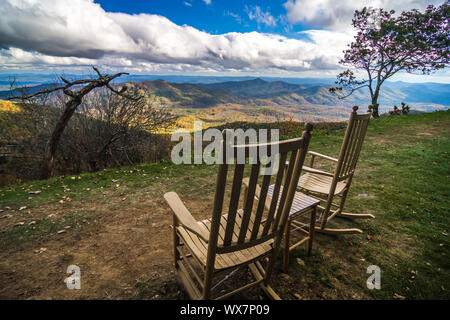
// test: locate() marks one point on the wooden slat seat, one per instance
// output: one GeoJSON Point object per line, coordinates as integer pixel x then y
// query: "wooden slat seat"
{"type": "Point", "coordinates": [319, 183]}
{"type": "Point", "coordinates": [223, 260]}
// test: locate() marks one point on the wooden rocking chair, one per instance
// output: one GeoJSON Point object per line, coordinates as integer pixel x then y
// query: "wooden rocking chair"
{"type": "Point", "coordinates": [333, 188]}
{"type": "Point", "coordinates": [205, 249]}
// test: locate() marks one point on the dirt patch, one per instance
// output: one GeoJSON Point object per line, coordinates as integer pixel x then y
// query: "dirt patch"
{"type": "Point", "coordinates": [124, 250]}
{"type": "Point", "coordinates": [121, 245]}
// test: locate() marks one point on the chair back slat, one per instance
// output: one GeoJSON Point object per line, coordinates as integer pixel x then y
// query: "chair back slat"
{"type": "Point", "coordinates": [351, 146]}
{"type": "Point", "coordinates": [261, 206]}
{"type": "Point", "coordinates": [217, 211]}
{"type": "Point", "coordinates": [353, 141]}
{"type": "Point", "coordinates": [287, 179]}
{"type": "Point", "coordinates": [258, 221]}
{"type": "Point", "coordinates": [349, 140]}
{"type": "Point", "coordinates": [249, 200]}
{"type": "Point", "coordinates": [234, 202]}
{"type": "Point", "coordinates": [362, 134]}
{"type": "Point", "coordinates": [276, 193]}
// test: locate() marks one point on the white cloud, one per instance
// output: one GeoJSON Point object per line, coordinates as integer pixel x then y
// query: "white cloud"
{"type": "Point", "coordinates": [331, 43]}
{"type": "Point", "coordinates": [77, 32]}
{"type": "Point", "coordinates": [73, 34]}
{"type": "Point", "coordinates": [61, 28]}
{"type": "Point", "coordinates": [18, 58]}
{"type": "Point", "coordinates": [235, 16]}
{"type": "Point", "coordinates": [207, 1]}
{"type": "Point", "coordinates": [259, 16]}
{"type": "Point", "coordinates": [334, 14]}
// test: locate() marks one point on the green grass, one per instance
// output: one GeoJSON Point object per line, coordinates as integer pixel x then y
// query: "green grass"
{"type": "Point", "coordinates": [411, 182]}
{"type": "Point", "coordinates": [409, 176]}
{"type": "Point", "coordinates": [405, 164]}
{"type": "Point", "coordinates": [88, 186]}
{"type": "Point", "coordinates": [40, 230]}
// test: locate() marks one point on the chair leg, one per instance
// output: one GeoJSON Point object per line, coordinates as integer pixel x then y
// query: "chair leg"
{"type": "Point", "coordinates": [270, 264]}
{"type": "Point", "coordinates": [311, 230]}
{"type": "Point", "coordinates": [326, 211]}
{"type": "Point", "coordinates": [287, 232]}
{"type": "Point", "coordinates": [350, 215]}
{"type": "Point", "coordinates": [258, 273]}
{"type": "Point", "coordinates": [207, 283]}
{"type": "Point", "coordinates": [270, 292]}
{"type": "Point", "coordinates": [176, 242]}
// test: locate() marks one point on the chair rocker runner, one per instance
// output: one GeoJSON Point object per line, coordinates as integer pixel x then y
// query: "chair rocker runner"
{"type": "Point", "coordinates": [332, 187]}
{"type": "Point", "coordinates": [205, 250]}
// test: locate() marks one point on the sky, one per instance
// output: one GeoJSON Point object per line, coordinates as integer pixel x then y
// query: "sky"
{"type": "Point", "coordinates": [289, 38]}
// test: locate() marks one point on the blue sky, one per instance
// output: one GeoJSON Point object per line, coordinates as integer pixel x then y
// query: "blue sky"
{"type": "Point", "coordinates": [217, 17]}
{"type": "Point", "coordinates": [293, 38]}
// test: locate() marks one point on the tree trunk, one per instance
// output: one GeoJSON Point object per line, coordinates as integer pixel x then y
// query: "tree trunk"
{"type": "Point", "coordinates": [375, 104]}
{"type": "Point", "coordinates": [70, 107]}
{"type": "Point", "coordinates": [53, 141]}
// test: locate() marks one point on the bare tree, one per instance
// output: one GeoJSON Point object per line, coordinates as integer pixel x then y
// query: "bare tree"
{"type": "Point", "coordinates": [75, 91]}
{"type": "Point", "coordinates": [106, 121]}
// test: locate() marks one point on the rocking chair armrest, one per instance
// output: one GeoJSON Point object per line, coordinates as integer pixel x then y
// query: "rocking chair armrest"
{"type": "Point", "coordinates": [322, 156]}
{"type": "Point", "coordinates": [317, 171]}
{"type": "Point", "coordinates": [184, 216]}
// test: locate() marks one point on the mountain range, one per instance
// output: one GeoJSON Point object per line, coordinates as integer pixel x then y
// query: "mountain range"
{"type": "Point", "coordinates": [262, 100]}
{"type": "Point", "coordinates": [269, 99]}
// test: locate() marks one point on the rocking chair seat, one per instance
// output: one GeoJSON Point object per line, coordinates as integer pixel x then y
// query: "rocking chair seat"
{"type": "Point", "coordinates": [319, 183]}
{"type": "Point", "coordinates": [199, 248]}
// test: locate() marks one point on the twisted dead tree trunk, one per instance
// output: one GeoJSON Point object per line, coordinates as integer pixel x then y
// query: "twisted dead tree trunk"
{"type": "Point", "coordinates": [75, 99]}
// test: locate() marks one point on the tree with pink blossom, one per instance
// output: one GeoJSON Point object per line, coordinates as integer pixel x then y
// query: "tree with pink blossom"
{"type": "Point", "coordinates": [386, 43]}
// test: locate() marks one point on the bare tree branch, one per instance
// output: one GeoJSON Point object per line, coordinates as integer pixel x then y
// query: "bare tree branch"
{"type": "Point", "coordinates": [75, 99]}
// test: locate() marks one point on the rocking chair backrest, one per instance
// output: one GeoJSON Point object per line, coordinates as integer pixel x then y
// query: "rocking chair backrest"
{"type": "Point", "coordinates": [246, 229]}
{"type": "Point", "coordinates": [351, 147]}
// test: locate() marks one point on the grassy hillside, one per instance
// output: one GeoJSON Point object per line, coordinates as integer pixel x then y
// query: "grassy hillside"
{"type": "Point", "coordinates": [185, 94]}
{"type": "Point", "coordinates": [114, 224]}
{"type": "Point", "coordinates": [256, 87]}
